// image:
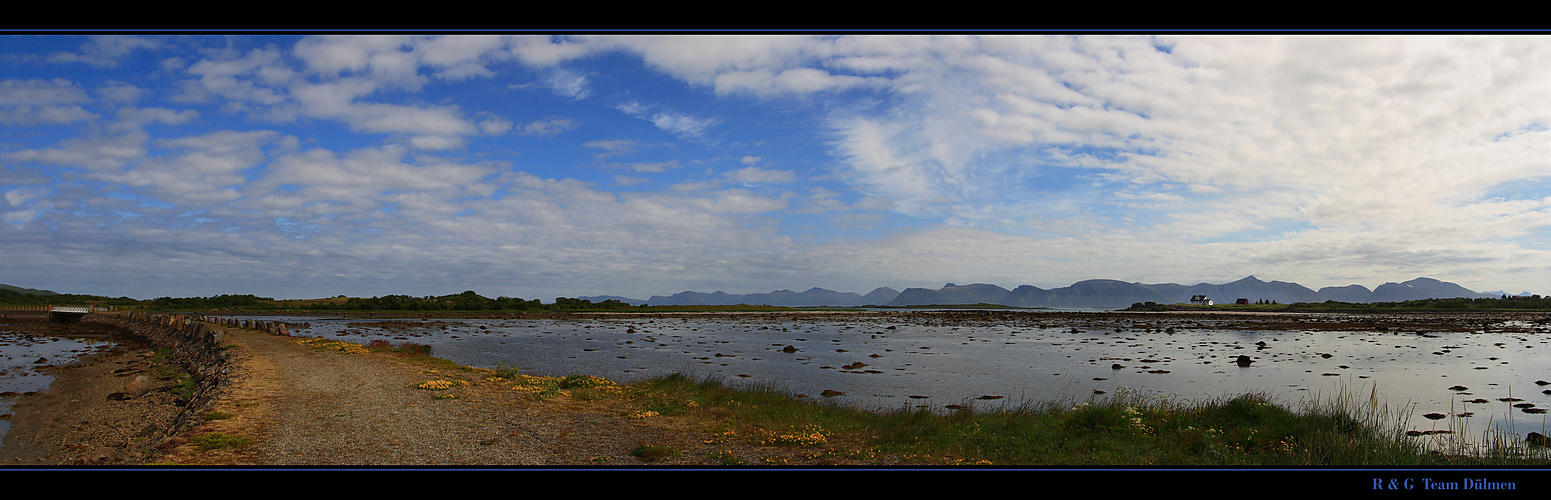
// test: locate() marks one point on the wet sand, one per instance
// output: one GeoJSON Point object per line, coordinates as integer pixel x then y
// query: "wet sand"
{"type": "Point", "coordinates": [80, 420]}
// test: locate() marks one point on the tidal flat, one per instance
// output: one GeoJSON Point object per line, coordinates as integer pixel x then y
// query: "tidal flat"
{"type": "Point", "coordinates": [1463, 373]}
{"type": "Point", "coordinates": [27, 348]}
{"type": "Point", "coordinates": [1459, 372]}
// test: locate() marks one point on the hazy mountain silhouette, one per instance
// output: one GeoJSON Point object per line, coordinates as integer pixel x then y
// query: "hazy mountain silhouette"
{"type": "Point", "coordinates": [808, 298]}
{"type": "Point", "coordinates": [26, 291]}
{"type": "Point", "coordinates": [978, 293]}
{"type": "Point", "coordinates": [1420, 288]}
{"type": "Point", "coordinates": [1088, 293]}
{"type": "Point", "coordinates": [879, 296]}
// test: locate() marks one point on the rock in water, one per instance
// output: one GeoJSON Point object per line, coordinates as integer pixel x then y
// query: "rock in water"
{"type": "Point", "coordinates": [1243, 360]}
{"type": "Point", "coordinates": [828, 393]}
{"type": "Point", "coordinates": [1538, 439]}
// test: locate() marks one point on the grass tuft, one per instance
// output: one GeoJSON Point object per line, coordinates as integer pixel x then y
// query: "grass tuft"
{"type": "Point", "coordinates": [219, 441]}
{"type": "Point", "coordinates": [218, 415]}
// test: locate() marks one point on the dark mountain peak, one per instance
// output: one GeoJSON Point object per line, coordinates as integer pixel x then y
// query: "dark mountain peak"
{"type": "Point", "coordinates": [949, 285]}
{"type": "Point", "coordinates": [979, 286]}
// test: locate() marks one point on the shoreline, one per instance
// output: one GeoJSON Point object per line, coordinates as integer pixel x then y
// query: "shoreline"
{"type": "Point", "coordinates": [107, 408]}
{"type": "Point", "coordinates": [315, 410]}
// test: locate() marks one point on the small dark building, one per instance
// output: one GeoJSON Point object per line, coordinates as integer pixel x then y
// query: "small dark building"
{"type": "Point", "coordinates": [1242, 302]}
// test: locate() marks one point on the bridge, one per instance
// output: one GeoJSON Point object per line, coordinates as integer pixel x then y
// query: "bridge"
{"type": "Point", "coordinates": [67, 313]}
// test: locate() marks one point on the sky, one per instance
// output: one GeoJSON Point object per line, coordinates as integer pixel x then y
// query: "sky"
{"type": "Point", "coordinates": [542, 166]}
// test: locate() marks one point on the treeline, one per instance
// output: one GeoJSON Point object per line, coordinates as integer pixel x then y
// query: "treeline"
{"type": "Point", "coordinates": [216, 302]}
{"type": "Point", "coordinates": [467, 301]}
{"type": "Point", "coordinates": [13, 298]}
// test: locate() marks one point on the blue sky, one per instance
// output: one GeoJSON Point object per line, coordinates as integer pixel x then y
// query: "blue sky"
{"type": "Point", "coordinates": [539, 166]}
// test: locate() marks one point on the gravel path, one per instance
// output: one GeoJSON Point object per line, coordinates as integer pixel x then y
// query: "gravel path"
{"type": "Point", "coordinates": [318, 407]}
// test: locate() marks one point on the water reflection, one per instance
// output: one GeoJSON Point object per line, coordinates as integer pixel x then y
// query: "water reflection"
{"type": "Point", "coordinates": [891, 362]}
{"type": "Point", "coordinates": [28, 347]}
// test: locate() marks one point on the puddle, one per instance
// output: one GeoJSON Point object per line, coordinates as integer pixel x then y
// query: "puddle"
{"type": "Point", "coordinates": [27, 347]}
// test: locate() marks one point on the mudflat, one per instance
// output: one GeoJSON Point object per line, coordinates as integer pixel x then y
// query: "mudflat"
{"type": "Point", "coordinates": [109, 408]}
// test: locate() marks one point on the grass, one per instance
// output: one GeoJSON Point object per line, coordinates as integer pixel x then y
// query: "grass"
{"type": "Point", "coordinates": [218, 415]}
{"type": "Point", "coordinates": [1123, 428]}
{"type": "Point", "coordinates": [183, 384]}
{"type": "Point", "coordinates": [410, 351]}
{"type": "Point", "coordinates": [219, 441]}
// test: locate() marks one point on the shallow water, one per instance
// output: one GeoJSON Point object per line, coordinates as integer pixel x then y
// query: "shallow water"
{"type": "Point", "coordinates": [25, 351]}
{"type": "Point", "coordinates": [918, 361]}
{"type": "Point", "coordinates": [995, 365]}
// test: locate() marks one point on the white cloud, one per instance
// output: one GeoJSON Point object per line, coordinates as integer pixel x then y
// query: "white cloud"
{"type": "Point", "coordinates": [35, 102]}
{"type": "Point", "coordinates": [105, 50]}
{"type": "Point", "coordinates": [348, 70]}
{"type": "Point", "coordinates": [120, 92]}
{"type": "Point", "coordinates": [613, 147]}
{"type": "Point", "coordinates": [549, 127]}
{"type": "Point", "coordinates": [544, 51]}
{"type": "Point", "coordinates": [384, 59]}
{"type": "Point", "coordinates": [139, 116]}
{"type": "Point", "coordinates": [202, 170]}
{"type": "Point", "coordinates": [633, 108]}
{"type": "Point", "coordinates": [655, 166]}
{"type": "Point", "coordinates": [568, 84]}
{"type": "Point", "coordinates": [90, 152]}
{"type": "Point", "coordinates": [682, 124]}
{"type": "Point", "coordinates": [626, 181]}
{"type": "Point", "coordinates": [494, 126]}
{"type": "Point", "coordinates": [756, 175]}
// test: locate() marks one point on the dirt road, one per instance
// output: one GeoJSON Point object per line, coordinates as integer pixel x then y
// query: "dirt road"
{"type": "Point", "coordinates": [297, 404]}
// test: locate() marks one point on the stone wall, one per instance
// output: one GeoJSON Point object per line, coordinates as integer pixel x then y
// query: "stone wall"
{"type": "Point", "coordinates": [191, 343]}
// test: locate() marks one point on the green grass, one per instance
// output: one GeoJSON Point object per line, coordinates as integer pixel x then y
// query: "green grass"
{"type": "Point", "coordinates": [219, 441]}
{"type": "Point", "coordinates": [506, 372]}
{"type": "Point", "coordinates": [1124, 428]}
{"type": "Point", "coordinates": [183, 384]}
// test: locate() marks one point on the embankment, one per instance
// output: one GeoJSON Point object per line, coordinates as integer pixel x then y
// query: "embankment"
{"type": "Point", "coordinates": [187, 341]}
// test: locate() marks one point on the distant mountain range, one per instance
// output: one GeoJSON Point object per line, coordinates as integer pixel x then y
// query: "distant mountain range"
{"type": "Point", "coordinates": [1089, 293]}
